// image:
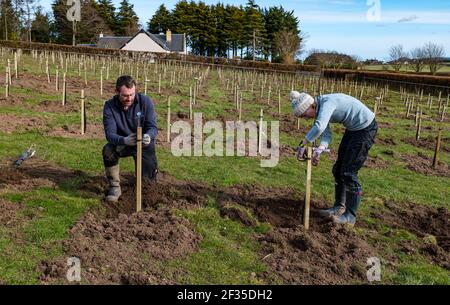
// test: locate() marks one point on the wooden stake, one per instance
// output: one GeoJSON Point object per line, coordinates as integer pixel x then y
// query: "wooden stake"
{"type": "Point", "coordinates": [375, 107]}
{"type": "Point", "coordinates": [308, 189]}
{"type": "Point", "coordinates": [145, 86]}
{"type": "Point", "coordinates": [57, 80]}
{"type": "Point", "coordinates": [438, 147]}
{"type": "Point", "coordinates": [64, 96]}
{"type": "Point", "coordinates": [419, 125]}
{"type": "Point", "coordinates": [190, 103]}
{"type": "Point", "coordinates": [139, 170]}
{"type": "Point", "coordinates": [15, 66]}
{"type": "Point", "coordinates": [279, 102]}
{"type": "Point", "coordinates": [417, 115]}
{"type": "Point", "coordinates": [9, 72]}
{"type": "Point", "coordinates": [240, 106]}
{"type": "Point", "coordinates": [83, 115]}
{"type": "Point", "coordinates": [168, 120]}
{"type": "Point", "coordinates": [260, 131]}
{"type": "Point", "coordinates": [47, 71]}
{"type": "Point", "coordinates": [101, 81]}
{"type": "Point", "coordinates": [7, 86]}
{"type": "Point", "coordinates": [159, 84]}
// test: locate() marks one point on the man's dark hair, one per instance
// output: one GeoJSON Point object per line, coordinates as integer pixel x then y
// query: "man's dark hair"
{"type": "Point", "coordinates": [125, 80]}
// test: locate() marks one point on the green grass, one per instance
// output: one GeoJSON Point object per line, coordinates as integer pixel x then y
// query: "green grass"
{"type": "Point", "coordinates": [52, 212]}
{"type": "Point", "coordinates": [227, 254]}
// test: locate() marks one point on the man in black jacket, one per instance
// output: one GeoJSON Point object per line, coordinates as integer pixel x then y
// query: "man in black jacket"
{"type": "Point", "coordinates": [121, 116]}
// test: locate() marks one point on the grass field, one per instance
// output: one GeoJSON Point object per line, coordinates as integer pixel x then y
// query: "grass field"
{"type": "Point", "coordinates": [40, 219]}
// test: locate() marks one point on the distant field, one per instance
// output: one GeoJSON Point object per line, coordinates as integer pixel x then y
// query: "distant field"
{"type": "Point", "coordinates": [445, 69]}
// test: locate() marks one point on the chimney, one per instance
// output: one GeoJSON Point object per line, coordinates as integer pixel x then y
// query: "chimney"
{"type": "Point", "coordinates": [168, 37]}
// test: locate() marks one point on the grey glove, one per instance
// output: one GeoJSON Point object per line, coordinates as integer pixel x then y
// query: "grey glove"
{"type": "Point", "coordinates": [146, 139]}
{"type": "Point", "coordinates": [317, 151]}
{"type": "Point", "coordinates": [130, 140]}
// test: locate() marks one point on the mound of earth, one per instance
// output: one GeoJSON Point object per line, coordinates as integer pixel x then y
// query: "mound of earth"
{"type": "Point", "coordinates": [92, 130]}
{"type": "Point", "coordinates": [428, 143]}
{"type": "Point", "coordinates": [33, 173]}
{"type": "Point", "coordinates": [10, 123]}
{"type": "Point", "coordinates": [423, 164]}
{"type": "Point", "coordinates": [427, 223]}
{"type": "Point", "coordinates": [117, 245]}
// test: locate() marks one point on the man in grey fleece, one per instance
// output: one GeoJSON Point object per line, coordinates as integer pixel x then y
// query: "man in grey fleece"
{"type": "Point", "coordinates": [361, 129]}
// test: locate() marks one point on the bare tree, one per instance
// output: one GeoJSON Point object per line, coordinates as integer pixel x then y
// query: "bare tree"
{"type": "Point", "coordinates": [289, 45]}
{"type": "Point", "coordinates": [433, 56]}
{"type": "Point", "coordinates": [397, 56]}
{"type": "Point", "coordinates": [418, 59]}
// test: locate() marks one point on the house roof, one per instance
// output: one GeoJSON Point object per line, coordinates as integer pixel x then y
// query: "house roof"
{"type": "Point", "coordinates": [118, 42]}
{"type": "Point", "coordinates": [112, 42]}
{"type": "Point", "coordinates": [177, 44]}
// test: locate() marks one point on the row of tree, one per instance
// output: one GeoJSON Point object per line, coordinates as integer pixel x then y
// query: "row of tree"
{"type": "Point", "coordinates": [331, 60]}
{"type": "Point", "coordinates": [230, 31]}
{"type": "Point", "coordinates": [248, 31]}
{"type": "Point", "coordinates": [431, 55]}
{"type": "Point", "coordinates": [26, 20]}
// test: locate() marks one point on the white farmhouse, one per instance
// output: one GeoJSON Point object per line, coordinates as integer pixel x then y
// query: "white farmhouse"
{"type": "Point", "coordinates": [144, 41]}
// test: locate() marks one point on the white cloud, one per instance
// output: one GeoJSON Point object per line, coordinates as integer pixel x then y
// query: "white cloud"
{"type": "Point", "coordinates": [408, 19]}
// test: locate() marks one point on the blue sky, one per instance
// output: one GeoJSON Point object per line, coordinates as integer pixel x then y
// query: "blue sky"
{"type": "Point", "coordinates": [343, 25]}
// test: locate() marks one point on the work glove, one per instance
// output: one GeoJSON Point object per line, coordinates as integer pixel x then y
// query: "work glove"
{"type": "Point", "coordinates": [317, 151]}
{"type": "Point", "coordinates": [130, 140]}
{"type": "Point", "coordinates": [301, 151]}
{"type": "Point", "coordinates": [146, 139]}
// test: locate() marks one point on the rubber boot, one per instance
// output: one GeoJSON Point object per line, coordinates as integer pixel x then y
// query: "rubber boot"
{"type": "Point", "coordinates": [353, 200]}
{"type": "Point", "coordinates": [114, 191]}
{"type": "Point", "coordinates": [339, 203]}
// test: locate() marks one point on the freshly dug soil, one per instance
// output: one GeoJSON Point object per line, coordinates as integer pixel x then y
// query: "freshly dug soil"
{"type": "Point", "coordinates": [423, 164]}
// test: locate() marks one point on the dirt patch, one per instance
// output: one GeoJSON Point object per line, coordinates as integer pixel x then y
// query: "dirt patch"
{"type": "Point", "coordinates": [326, 255]}
{"type": "Point", "coordinates": [31, 174]}
{"type": "Point", "coordinates": [430, 224]}
{"type": "Point", "coordinates": [236, 213]}
{"type": "Point", "coordinates": [167, 191]}
{"type": "Point", "coordinates": [56, 106]}
{"type": "Point", "coordinates": [10, 123]}
{"type": "Point", "coordinates": [385, 141]}
{"type": "Point", "coordinates": [423, 164]}
{"type": "Point", "coordinates": [9, 214]}
{"type": "Point", "coordinates": [289, 124]}
{"type": "Point", "coordinates": [10, 101]}
{"type": "Point", "coordinates": [375, 162]}
{"type": "Point", "coordinates": [40, 84]}
{"type": "Point", "coordinates": [125, 250]}
{"type": "Point", "coordinates": [287, 151]}
{"type": "Point", "coordinates": [428, 143]}
{"type": "Point", "coordinates": [384, 125]}
{"type": "Point", "coordinates": [93, 131]}
{"type": "Point", "coordinates": [127, 247]}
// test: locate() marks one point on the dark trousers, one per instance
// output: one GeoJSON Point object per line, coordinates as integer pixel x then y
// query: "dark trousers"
{"type": "Point", "coordinates": [352, 154]}
{"type": "Point", "coordinates": [112, 154]}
